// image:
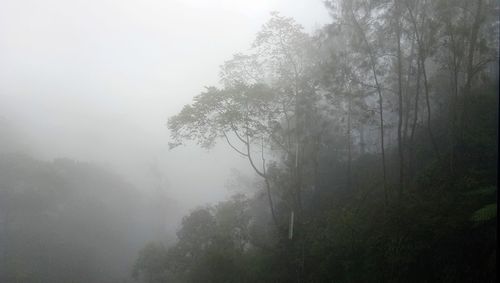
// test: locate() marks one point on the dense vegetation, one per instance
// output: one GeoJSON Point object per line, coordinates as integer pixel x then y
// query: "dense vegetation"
{"type": "Point", "coordinates": [375, 143]}
{"type": "Point", "coordinates": [69, 221]}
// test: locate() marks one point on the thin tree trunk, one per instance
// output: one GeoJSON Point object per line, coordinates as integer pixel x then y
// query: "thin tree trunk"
{"type": "Point", "coordinates": [407, 112]}
{"type": "Point", "coordinates": [264, 175]}
{"type": "Point", "coordinates": [271, 204]}
{"type": "Point", "coordinates": [470, 61]}
{"type": "Point", "coordinates": [414, 122]}
{"type": "Point", "coordinates": [454, 100]}
{"type": "Point", "coordinates": [349, 153]}
{"type": "Point", "coordinates": [472, 48]}
{"type": "Point", "coordinates": [428, 104]}
{"type": "Point", "coordinates": [422, 57]}
{"type": "Point", "coordinates": [400, 105]}
{"type": "Point", "coordinates": [362, 143]}
{"type": "Point", "coordinates": [407, 93]}
{"type": "Point", "coordinates": [380, 105]}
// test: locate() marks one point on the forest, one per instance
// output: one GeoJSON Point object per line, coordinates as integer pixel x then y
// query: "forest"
{"type": "Point", "coordinates": [372, 144]}
{"type": "Point", "coordinates": [375, 140]}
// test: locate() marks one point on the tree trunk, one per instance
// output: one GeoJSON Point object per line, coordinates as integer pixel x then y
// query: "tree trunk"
{"type": "Point", "coordinates": [400, 103]}
{"type": "Point", "coordinates": [470, 63]}
{"type": "Point", "coordinates": [349, 152]}
{"type": "Point", "coordinates": [414, 122]}
{"type": "Point", "coordinates": [422, 55]}
{"type": "Point", "coordinates": [380, 105]}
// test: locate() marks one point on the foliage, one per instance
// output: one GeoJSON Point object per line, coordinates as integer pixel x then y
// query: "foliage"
{"type": "Point", "coordinates": [382, 131]}
{"type": "Point", "coordinates": [63, 221]}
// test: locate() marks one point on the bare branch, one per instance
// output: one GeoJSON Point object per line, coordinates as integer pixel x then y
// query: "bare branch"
{"type": "Point", "coordinates": [249, 156]}
{"type": "Point", "coordinates": [232, 146]}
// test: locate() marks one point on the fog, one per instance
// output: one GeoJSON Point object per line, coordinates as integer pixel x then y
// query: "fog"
{"type": "Point", "coordinates": [248, 141]}
{"type": "Point", "coordinates": [97, 80]}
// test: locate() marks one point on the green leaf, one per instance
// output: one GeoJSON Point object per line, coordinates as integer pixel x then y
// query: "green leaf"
{"type": "Point", "coordinates": [485, 213]}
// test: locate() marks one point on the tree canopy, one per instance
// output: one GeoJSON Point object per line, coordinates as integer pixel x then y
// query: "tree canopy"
{"type": "Point", "coordinates": [375, 143]}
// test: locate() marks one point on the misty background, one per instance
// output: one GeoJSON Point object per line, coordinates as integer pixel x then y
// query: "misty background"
{"type": "Point", "coordinates": [93, 82]}
{"type": "Point", "coordinates": [96, 81]}
{"type": "Point", "coordinates": [345, 140]}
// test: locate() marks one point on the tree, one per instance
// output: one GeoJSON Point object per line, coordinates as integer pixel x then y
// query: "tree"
{"type": "Point", "coordinates": [264, 107]}
{"type": "Point", "coordinates": [211, 242]}
{"type": "Point", "coordinates": [366, 41]}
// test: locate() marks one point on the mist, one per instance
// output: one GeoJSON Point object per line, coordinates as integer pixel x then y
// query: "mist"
{"type": "Point", "coordinates": [97, 80]}
{"type": "Point", "coordinates": [247, 141]}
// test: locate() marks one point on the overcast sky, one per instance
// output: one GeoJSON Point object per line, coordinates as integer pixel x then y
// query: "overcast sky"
{"type": "Point", "coordinates": [96, 80]}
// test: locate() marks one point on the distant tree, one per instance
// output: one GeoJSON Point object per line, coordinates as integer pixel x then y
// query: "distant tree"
{"type": "Point", "coordinates": [211, 242]}
{"type": "Point", "coordinates": [66, 221]}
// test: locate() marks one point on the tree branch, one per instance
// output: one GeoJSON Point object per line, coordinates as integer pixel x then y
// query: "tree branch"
{"type": "Point", "coordinates": [232, 146]}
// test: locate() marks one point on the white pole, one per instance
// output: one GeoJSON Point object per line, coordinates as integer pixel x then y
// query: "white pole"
{"type": "Point", "coordinates": [297, 155]}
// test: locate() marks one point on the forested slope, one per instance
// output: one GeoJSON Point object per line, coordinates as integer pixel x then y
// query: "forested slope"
{"type": "Point", "coordinates": [68, 221]}
{"type": "Point", "coordinates": [375, 143]}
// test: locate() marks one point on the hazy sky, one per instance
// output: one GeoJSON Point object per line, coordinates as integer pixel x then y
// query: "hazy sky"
{"type": "Point", "coordinates": [96, 80]}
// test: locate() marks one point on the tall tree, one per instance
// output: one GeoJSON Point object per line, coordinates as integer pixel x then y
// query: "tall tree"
{"type": "Point", "coordinates": [264, 107]}
{"type": "Point", "coordinates": [356, 17]}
